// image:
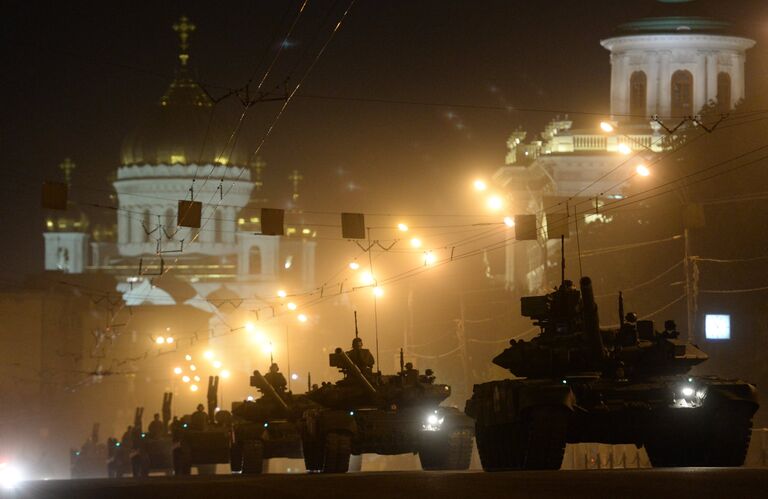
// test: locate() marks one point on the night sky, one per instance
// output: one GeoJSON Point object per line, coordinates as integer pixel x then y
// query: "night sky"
{"type": "Point", "coordinates": [78, 76]}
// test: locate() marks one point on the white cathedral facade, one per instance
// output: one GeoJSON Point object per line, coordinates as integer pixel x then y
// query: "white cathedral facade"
{"type": "Point", "coordinates": [663, 70]}
{"type": "Point", "coordinates": [177, 155]}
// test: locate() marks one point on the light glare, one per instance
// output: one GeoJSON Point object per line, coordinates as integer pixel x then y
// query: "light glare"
{"type": "Point", "coordinates": [509, 221]}
{"type": "Point", "coordinates": [402, 227]}
{"type": "Point", "coordinates": [416, 242]}
{"type": "Point", "coordinates": [281, 293]}
{"type": "Point", "coordinates": [354, 265]}
{"type": "Point", "coordinates": [624, 149]}
{"type": "Point", "coordinates": [302, 318]}
{"type": "Point", "coordinates": [292, 306]}
{"type": "Point", "coordinates": [177, 370]}
{"type": "Point", "coordinates": [193, 388]}
{"type": "Point", "coordinates": [642, 170]}
{"type": "Point", "coordinates": [606, 127]}
{"type": "Point", "coordinates": [495, 202]}
{"type": "Point", "coordinates": [480, 185]}
{"type": "Point", "coordinates": [378, 291]}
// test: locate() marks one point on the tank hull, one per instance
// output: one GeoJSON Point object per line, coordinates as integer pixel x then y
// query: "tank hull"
{"type": "Point", "coordinates": [681, 420]}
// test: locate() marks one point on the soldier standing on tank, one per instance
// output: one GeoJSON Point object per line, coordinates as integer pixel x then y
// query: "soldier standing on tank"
{"type": "Point", "coordinates": [199, 418]}
{"type": "Point", "coordinates": [156, 429]}
{"type": "Point", "coordinates": [361, 357]}
{"type": "Point", "coordinates": [275, 378]}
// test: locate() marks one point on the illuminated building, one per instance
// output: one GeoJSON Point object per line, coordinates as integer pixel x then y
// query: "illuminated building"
{"type": "Point", "coordinates": [669, 67]}
{"type": "Point", "coordinates": [179, 153]}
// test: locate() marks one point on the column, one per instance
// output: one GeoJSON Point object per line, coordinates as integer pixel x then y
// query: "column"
{"type": "Point", "coordinates": [136, 212]}
{"type": "Point", "coordinates": [652, 75]}
{"type": "Point", "coordinates": [614, 85]}
{"type": "Point", "coordinates": [700, 83]}
{"type": "Point", "coordinates": [665, 90]}
{"type": "Point", "coordinates": [622, 87]}
{"type": "Point", "coordinates": [712, 77]}
{"type": "Point", "coordinates": [123, 227]}
{"type": "Point", "coordinates": [737, 78]}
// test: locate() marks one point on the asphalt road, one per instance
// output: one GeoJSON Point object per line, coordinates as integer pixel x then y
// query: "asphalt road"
{"type": "Point", "coordinates": [696, 483]}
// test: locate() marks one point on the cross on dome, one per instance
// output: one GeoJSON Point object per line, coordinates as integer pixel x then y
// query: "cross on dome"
{"type": "Point", "coordinates": [184, 28]}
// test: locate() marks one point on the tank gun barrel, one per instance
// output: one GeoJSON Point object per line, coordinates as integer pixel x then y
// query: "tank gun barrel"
{"type": "Point", "coordinates": [591, 318]}
{"type": "Point", "coordinates": [268, 390]}
{"type": "Point", "coordinates": [342, 360]}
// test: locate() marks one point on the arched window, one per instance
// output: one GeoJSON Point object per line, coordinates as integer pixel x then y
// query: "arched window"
{"type": "Point", "coordinates": [682, 93]}
{"type": "Point", "coordinates": [146, 223]}
{"type": "Point", "coordinates": [218, 227]}
{"type": "Point", "coordinates": [724, 92]}
{"type": "Point", "coordinates": [637, 95]}
{"type": "Point", "coordinates": [254, 260]}
{"type": "Point", "coordinates": [169, 223]}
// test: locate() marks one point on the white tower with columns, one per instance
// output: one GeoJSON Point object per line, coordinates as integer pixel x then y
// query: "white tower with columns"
{"type": "Point", "coordinates": [673, 67]}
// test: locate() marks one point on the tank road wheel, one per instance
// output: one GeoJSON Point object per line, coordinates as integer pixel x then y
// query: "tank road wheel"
{"type": "Point", "coordinates": [140, 465]}
{"type": "Point", "coordinates": [236, 457]}
{"type": "Point", "coordinates": [313, 454]}
{"type": "Point", "coordinates": [536, 441]}
{"type": "Point", "coordinates": [253, 457]}
{"type": "Point", "coordinates": [182, 461]}
{"type": "Point", "coordinates": [452, 452]}
{"type": "Point", "coordinates": [716, 437]}
{"type": "Point", "coordinates": [336, 452]}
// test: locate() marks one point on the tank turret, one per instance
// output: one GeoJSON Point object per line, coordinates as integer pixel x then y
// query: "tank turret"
{"type": "Point", "coordinates": [571, 341]}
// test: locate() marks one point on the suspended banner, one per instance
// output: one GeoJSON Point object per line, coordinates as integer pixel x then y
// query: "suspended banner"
{"type": "Point", "coordinates": [272, 222]}
{"type": "Point", "coordinates": [353, 225]}
{"type": "Point", "coordinates": [189, 214]}
{"type": "Point", "coordinates": [557, 225]}
{"type": "Point", "coordinates": [54, 196]}
{"type": "Point", "coordinates": [525, 228]}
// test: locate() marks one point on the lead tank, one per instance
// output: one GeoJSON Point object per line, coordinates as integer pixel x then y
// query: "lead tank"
{"type": "Point", "coordinates": [577, 382]}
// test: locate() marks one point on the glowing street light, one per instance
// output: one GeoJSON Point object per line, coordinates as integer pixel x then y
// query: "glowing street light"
{"type": "Point", "coordinates": [354, 265]}
{"type": "Point", "coordinates": [642, 170]}
{"type": "Point", "coordinates": [416, 242]}
{"type": "Point", "coordinates": [250, 327]}
{"type": "Point", "coordinates": [185, 378]}
{"type": "Point", "coordinates": [187, 357]}
{"type": "Point", "coordinates": [224, 374]}
{"type": "Point", "coordinates": [217, 364]}
{"type": "Point", "coordinates": [480, 185]}
{"type": "Point", "coordinates": [160, 340]}
{"type": "Point", "coordinates": [192, 367]}
{"type": "Point", "coordinates": [402, 227]}
{"type": "Point", "coordinates": [193, 388]}
{"type": "Point", "coordinates": [624, 149]}
{"type": "Point", "coordinates": [606, 127]}
{"type": "Point", "coordinates": [281, 293]}
{"type": "Point", "coordinates": [302, 318]}
{"type": "Point", "coordinates": [294, 376]}
{"type": "Point", "coordinates": [378, 292]}
{"type": "Point", "coordinates": [208, 354]}
{"type": "Point", "coordinates": [367, 278]}
{"type": "Point", "coordinates": [196, 378]}
{"type": "Point", "coordinates": [176, 370]}
{"type": "Point", "coordinates": [509, 221]}
{"type": "Point", "coordinates": [495, 202]}
{"type": "Point", "coordinates": [292, 306]}
{"type": "Point", "coordinates": [429, 258]}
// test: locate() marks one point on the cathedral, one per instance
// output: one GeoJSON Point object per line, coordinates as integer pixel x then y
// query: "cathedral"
{"type": "Point", "coordinates": [178, 154]}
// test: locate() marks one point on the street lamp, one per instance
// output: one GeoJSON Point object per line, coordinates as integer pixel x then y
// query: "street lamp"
{"type": "Point", "coordinates": [606, 127]}
{"type": "Point", "coordinates": [495, 202]}
{"type": "Point", "coordinates": [642, 170]}
{"type": "Point", "coordinates": [480, 185]}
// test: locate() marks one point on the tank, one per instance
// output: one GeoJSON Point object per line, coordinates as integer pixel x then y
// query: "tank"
{"type": "Point", "coordinates": [89, 461]}
{"type": "Point", "coordinates": [578, 382]}
{"type": "Point", "coordinates": [203, 439]}
{"type": "Point", "coordinates": [267, 427]}
{"type": "Point", "coordinates": [153, 449]}
{"type": "Point", "coordinates": [368, 412]}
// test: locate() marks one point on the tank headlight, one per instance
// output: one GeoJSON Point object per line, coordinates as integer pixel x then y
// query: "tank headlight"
{"type": "Point", "coordinates": [433, 422]}
{"type": "Point", "coordinates": [687, 391]}
{"type": "Point", "coordinates": [689, 396]}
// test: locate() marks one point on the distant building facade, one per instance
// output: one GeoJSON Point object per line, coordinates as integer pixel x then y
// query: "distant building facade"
{"type": "Point", "coordinates": [667, 68]}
